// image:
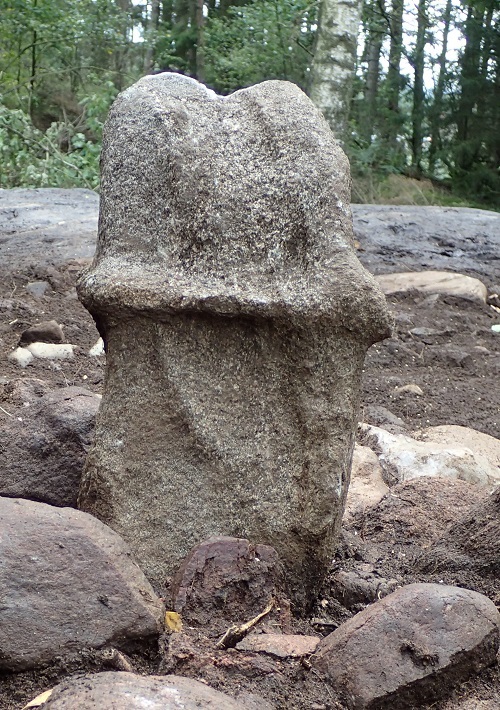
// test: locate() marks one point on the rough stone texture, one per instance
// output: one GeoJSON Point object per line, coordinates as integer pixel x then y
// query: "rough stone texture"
{"type": "Point", "coordinates": [128, 691]}
{"type": "Point", "coordinates": [280, 645]}
{"type": "Point", "coordinates": [236, 318]}
{"type": "Point", "coordinates": [223, 580]}
{"type": "Point", "coordinates": [44, 443]}
{"type": "Point", "coordinates": [442, 282]}
{"type": "Point", "coordinates": [67, 583]}
{"type": "Point", "coordinates": [367, 487]}
{"type": "Point", "coordinates": [412, 646]}
{"type": "Point", "coordinates": [403, 458]}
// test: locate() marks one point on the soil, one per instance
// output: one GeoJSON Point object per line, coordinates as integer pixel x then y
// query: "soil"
{"type": "Point", "coordinates": [48, 236]}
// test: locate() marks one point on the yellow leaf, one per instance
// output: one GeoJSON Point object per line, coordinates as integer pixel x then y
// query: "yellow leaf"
{"type": "Point", "coordinates": [173, 621]}
{"type": "Point", "coordinates": [39, 700]}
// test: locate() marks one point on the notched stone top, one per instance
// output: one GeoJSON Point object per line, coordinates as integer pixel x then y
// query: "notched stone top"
{"type": "Point", "coordinates": [229, 205]}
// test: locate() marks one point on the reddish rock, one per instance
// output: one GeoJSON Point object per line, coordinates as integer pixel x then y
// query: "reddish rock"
{"type": "Point", "coordinates": [412, 646]}
{"type": "Point", "coordinates": [281, 645]}
{"type": "Point", "coordinates": [225, 579]}
{"type": "Point", "coordinates": [127, 691]}
{"type": "Point", "coordinates": [67, 583]}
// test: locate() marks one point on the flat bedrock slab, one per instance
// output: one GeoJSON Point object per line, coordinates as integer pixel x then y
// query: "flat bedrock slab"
{"type": "Point", "coordinates": [51, 225]}
{"type": "Point", "coordinates": [128, 691]}
{"type": "Point", "coordinates": [442, 282]}
{"type": "Point", "coordinates": [411, 646]}
{"type": "Point", "coordinates": [404, 457]}
{"type": "Point", "coordinates": [224, 580]}
{"type": "Point", "coordinates": [43, 445]}
{"type": "Point", "coordinates": [67, 583]}
{"type": "Point", "coordinates": [236, 317]}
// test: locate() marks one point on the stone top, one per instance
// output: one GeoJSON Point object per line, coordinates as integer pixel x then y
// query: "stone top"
{"type": "Point", "coordinates": [230, 205]}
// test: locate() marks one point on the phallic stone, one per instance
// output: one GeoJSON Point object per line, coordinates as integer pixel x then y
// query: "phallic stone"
{"type": "Point", "coordinates": [443, 282]}
{"type": "Point", "coordinates": [411, 646]}
{"type": "Point", "coordinates": [280, 645]}
{"type": "Point", "coordinates": [236, 317]}
{"type": "Point", "coordinates": [46, 332]}
{"type": "Point", "coordinates": [44, 444]}
{"type": "Point", "coordinates": [67, 583]}
{"type": "Point", "coordinates": [128, 691]}
{"type": "Point", "coordinates": [225, 580]}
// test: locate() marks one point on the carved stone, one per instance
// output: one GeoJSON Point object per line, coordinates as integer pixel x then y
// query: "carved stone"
{"type": "Point", "coordinates": [236, 318]}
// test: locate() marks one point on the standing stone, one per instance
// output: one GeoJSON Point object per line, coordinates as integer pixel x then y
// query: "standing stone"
{"type": "Point", "coordinates": [236, 318]}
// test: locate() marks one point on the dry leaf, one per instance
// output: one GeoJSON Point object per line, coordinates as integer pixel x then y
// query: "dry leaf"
{"type": "Point", "coordinates": [173, 621]}
{"type": "Point", "coordinates": [39, 700]}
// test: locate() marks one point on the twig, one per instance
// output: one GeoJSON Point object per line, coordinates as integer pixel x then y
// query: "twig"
{"type": "Point", "coordinates": [236, 633]}
{"type": "Point", "coordinates": [6, 412]}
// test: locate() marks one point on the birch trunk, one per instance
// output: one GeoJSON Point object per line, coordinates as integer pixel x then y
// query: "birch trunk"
{"type": "Point", "coordinates": [334, 62]}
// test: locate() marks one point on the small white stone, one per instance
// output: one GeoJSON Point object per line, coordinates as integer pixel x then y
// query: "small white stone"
{"type": "Point", "coordinates": [22, 356]}
{"type": "Point", "coordinates": [51, 351]}
{"type": "Point", "coordinates": [98, 349]}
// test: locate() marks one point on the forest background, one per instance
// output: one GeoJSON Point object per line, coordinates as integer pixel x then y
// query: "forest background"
{"type": "Point", "coordinates": [412, 90]}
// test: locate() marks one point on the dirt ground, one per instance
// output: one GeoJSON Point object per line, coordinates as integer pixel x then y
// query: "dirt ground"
{"type": "Point", "coordinates": [456, 363]}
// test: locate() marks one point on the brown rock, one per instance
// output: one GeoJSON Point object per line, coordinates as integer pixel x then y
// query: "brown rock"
{"type": "Point", "coordinates": [46, 332]}
{"type": "Point", "coordinates": [127, 691]}
{"type": "Point", "coordinates": [280, 645]}
{"type": "Point", "coordinates": [236, 317]}
{"type": "Point", "coordinates": [225, 580]}
{"type": "Point", "coordinates": [67, 583]}
{"type": "Point", "coordinates": [360, 587]}
{"type": "Point", "coordinates": [44, 444]}
{"type": "Point", "coordinates": [410, 647]}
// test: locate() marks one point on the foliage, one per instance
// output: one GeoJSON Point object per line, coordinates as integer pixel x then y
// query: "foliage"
{"type": "Point", "coordinates": [266, 39]}
{"type": "Point", "coordinates": [64, 155]}
{"type": "Point", "coordinates": [63, 61]}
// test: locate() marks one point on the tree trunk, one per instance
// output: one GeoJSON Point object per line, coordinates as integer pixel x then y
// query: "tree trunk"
{"type": "Point", "coordinates": [418, 88]}
{"type": "Point", "coordinates": [470, 66]}
{"type": "Point", "coordinates": [334, 63]}
{"type": "Point", "coordinates": [394, 82]}
{"type": "Point", "coordinates": [375, 36]}
{"type": "Point", "coordinates": [199, 20]}
{"type": "Point", "coordinates": [437, 106]}
{"type": "Point", "coordinates": [151, 36]}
